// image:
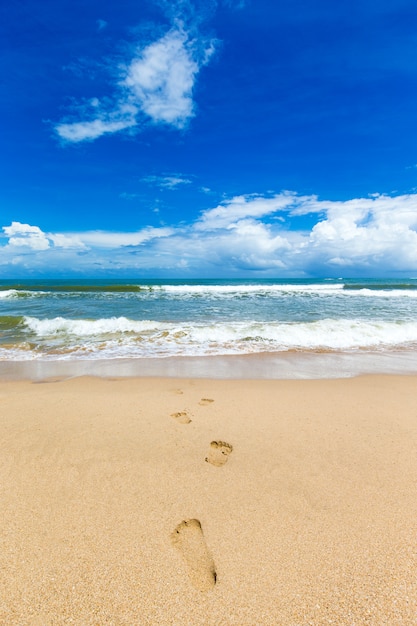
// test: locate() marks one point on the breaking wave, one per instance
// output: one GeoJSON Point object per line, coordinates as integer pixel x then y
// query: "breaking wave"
{"type": "Point", "coordinates": [119, 337]}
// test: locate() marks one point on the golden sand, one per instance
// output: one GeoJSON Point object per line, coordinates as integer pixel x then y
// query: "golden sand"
{"type": "Point", "coordinates": [209, 502]}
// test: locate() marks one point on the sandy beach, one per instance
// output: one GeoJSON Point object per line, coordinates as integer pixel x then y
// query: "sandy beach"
{"type": "Point", "coordinates": [162, 501]}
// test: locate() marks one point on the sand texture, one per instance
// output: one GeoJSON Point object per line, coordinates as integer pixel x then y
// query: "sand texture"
{"type": "Point", "coordinates": [208, 502]}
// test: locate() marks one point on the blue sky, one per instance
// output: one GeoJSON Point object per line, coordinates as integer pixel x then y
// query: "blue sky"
{"type": "Point", "coordinates": [224, 138]}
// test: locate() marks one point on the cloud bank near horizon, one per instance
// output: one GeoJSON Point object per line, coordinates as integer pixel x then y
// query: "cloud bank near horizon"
{"type": "Point", "coordinates": [244, 235]}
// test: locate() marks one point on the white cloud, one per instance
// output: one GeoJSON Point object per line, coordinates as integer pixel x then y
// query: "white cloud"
{"type": "Point", "coordinates": [372, 236]}
{"type": "Point", "coordinates": [169, 182]}
{"type": "Point", "coordinates": [66, 241]}
{"type": "Point", "coordinates": [155, 86]}
{"type": "Point", "coordinates": [88, 131]}
{"type": "Point", "coordinates": [113, 240]}
{"type": "Point", "coordinates": [247, 245]}
{"type": "Point", "coordinates": [26, 236]}
{"type": "Point", "coordinates": [161, 79]}
{"type": "Point", "coordinates": [129, 196]}
{"type": "Point", "coordinates": [240, 207]}
{"type": "Point", "coordinates": [369, 232]}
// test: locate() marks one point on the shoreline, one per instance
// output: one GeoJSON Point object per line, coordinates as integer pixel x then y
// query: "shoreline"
{"type": "Point", "coordinates": [179, 501]}
{"type": "Point", "coordinates": [264, 366]}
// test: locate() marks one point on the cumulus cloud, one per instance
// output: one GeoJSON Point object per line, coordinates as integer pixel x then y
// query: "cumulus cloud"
{"type": "Point", "coordinates": [161, 79]}
{"type": "Point", "coordinates": [248, 245]}
{"type": "Point", "coordinates": [26, 236]}
{"type": "Point", "coordinates": [240, 207]}
{"type": "Point", "coordinates": [155, 87]}
{"type": "Point", "coordinates": [369, 236]}
{"type": "Point", "coordinates": [369, 232]}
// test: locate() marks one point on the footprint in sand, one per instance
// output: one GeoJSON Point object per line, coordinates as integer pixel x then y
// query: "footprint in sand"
{"type": "Point", "coordinates": [189, 539]}
{"type": "Point", "coordinates": [219, 453]}
{"type": "Point", "coordinates": [181, 417]}
{"type": "Point", "coordinates": [205, 401]}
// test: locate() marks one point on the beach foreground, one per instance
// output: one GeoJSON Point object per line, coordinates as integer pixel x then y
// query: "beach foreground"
{"type": "Point", "coordinates": [209, 502]}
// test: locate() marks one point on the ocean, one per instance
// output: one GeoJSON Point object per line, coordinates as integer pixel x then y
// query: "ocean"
{"type": "Point", "coordinates": [290, 328]}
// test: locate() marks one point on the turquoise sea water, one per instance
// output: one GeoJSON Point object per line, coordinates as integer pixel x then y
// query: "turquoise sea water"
{"type": "Point", "coordinates": [131, 319]}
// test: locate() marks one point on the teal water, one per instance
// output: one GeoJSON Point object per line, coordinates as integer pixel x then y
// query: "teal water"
{"type": "Point", "coordinates": [99, 319]}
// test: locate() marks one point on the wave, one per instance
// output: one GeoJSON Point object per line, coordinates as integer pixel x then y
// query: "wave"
{"type": "Point", "coordinates": [9, 293]}
{"type": "Point", "coordinates": [382, 285]}
{"type": "Point", "coordinates": [119, 337]}
{"type": "Point", "coordinates": [84, 328]}
{"type": "Point", "coordinates": [215, 291]}
{"type": "Point", "coordinates": [45, 288]}
{"type": "Point", "coordinates": [392, 293]}
{"type": "Point", "coordinates": [249, 288]}
{"type": "Point", "coordinates": [170, 289]}
{"type": "Point", "coordinates": [21, 293]}
{"type": "Point", "coordinates": [233, 291]}
{"type": "Point", "coordinates": [10, 322]}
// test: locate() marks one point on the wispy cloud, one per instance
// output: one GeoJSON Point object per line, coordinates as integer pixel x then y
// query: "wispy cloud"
{"type": "Point", "coordinates": [101, 24]}
{"type": "Point", "coordinates": [113, 240]}
{"type": "Point", "coordinates": [154, 87]}
{"type": "Point", "coordinates": [88, 131]}
{"type": "Point", "coordinates": [235, 4]}
{"type": "Point", "coordinates": [168, 182]}
{"type": "Point", "coordinates": [246, 234]}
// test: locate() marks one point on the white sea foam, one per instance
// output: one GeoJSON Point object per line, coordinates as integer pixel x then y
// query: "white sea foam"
{"type": "Point", "coordinates": [81, 328]}
{"type": "Point", "coordinates": [9, 293]}
{"type": "Point", "coordinates": [276, 290]}
{"type": "Point", "coordinates": [222, 291]}
{"type": "Point", "coordinates": [224, 318]}
{"type": "Point", "coordinates": [121, 337]}
{"type": "Point", "coordinates": [383, 293]}
{"type": "Point", "coordinates": [19, 293]}
{"type": "Point", "coordinates": [248, 289]}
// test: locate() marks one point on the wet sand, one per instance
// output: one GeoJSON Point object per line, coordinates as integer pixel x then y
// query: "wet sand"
{"type": "Point", "coordinates": [168, 501]}
{"type": "Point", "coordinates": [264, 365]}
